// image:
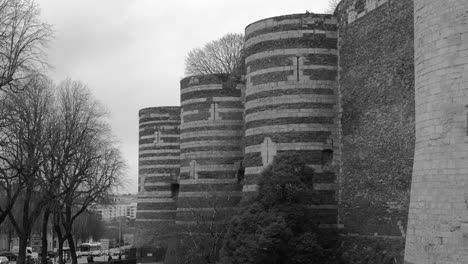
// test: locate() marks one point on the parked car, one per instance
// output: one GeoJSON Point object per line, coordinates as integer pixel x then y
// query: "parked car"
{"type": "Point", "coordinates": [10, 255]}
{"type": "Point", "coordinates": [4, 260]}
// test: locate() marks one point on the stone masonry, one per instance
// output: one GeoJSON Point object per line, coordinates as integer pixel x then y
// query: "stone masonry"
{"type": "Point", "coordinates": [211, 151]}
{"type": "Point", "coordinates": [340, 90]}
{"type": "Point", "coordinates": [376, 85]}
{"type": "Point", "coordinates": [159, 155]}
{"type": "Point", "coordinates": [438, 214]}
{"type": "Point", "coordinates": [290, 102]}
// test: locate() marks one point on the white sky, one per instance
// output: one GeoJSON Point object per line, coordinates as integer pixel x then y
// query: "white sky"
{"type": "Point", "coordinates": [131, 53]}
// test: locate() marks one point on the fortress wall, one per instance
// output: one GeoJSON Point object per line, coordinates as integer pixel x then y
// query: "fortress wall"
{"type": "Point", "coordinates": [290, 100]}
{"type": "Point", "coordinates": [211, 149]}
{"type": "Point", "coordinates": [376, 82]}
{"type": "Point", "coordinates": [159, 156]}
{"type": "Point", "coordinates": [438, 214]}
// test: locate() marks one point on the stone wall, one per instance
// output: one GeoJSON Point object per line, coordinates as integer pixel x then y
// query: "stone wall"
{"type": "Point", "coordinates": [438, 216]}
{"type": "Point", "coordinates": [377, 117]}
{"type": "Point", "coordinates": [159, 167]}
{"type": "Point", "coordinates": [290, 101]}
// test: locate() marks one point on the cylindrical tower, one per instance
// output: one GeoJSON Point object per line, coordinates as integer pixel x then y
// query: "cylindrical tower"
{"type": "Point", "coordinates": [438, 214]}
{"type": "Point", "coordinates": [211, 148]}
{"type": "Point", "coordinates": [291, 100]}
{"type": "Point", "coordinates": [159, 166]}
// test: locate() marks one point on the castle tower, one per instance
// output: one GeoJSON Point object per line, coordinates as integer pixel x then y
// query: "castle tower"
{"type": "Point", "coordinates": [211, 150]}
{"type": "Point", "coordinates": [438, 215]}
{"type": "Point", "coordinates": [159, 167]}
{"type": "Point", "coordinates": [291, 100]}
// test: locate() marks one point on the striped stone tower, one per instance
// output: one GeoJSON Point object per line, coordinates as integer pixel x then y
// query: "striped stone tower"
{"type": "Point", "coordinates": [290, 101]}
{"type": "Point", "coordinates": [211, 149]}
{"type": "Point", "coordinates": [438, 214]}
{"type": "Point", "coordinates": [159, 156]}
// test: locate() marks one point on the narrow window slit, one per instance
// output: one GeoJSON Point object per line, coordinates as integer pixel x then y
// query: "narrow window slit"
{"type": "Point", "coordinates": [297, 68]}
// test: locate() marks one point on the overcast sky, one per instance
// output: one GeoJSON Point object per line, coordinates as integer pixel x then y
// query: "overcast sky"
{"type": "Point", "coordinates": [131, 53]}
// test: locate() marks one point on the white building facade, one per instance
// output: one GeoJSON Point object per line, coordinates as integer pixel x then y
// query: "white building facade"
{"type": "Point", "coordinates": [123, 206]}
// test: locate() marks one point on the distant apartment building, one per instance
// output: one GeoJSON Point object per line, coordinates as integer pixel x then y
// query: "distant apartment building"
{"type": "Point", "coordinates": [121, 206]}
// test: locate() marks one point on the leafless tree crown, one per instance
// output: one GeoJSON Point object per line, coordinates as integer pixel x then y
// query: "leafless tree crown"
{"type": "Point", "coordinates": [224, 55]}
{"type": "Point", "coordinates": [23, 38]}
{"type": "Point", "coordinates": [57, 156]}
{"type": "Point", "coordinates": [332, 4]}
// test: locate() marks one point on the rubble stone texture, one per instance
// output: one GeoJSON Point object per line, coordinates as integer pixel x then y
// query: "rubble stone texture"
{"type": "Point", "coordinates": [376, 84]}
{"type": "Point", "coordinates": [438, 214]}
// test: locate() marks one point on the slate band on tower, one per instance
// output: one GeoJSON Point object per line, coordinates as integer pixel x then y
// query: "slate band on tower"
{"type": "Point", "coordinates": [159, 167]}
{"type": "Point", "coordinates": [211, 146]}
{"type": "Point", "coordinates": [290, 103]}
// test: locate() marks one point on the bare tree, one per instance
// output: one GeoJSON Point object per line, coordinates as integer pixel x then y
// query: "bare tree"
{"type": "Point", "coordinates": [332, 4]}
{"type": "Point", "coordinates": [10, 189]}
{"type": "Point", "coordinates": [10, 184]}
{"type": "Point", "coordinates": [57, 145]}
{"type": "Point", "coordinates": [94, 166]}
{"type": "Point", "coordinates": [224, 55]}
{"type": "Point", "coordinates": [23, 38]}
{"type": "Point", "coordinates": [23, 153]}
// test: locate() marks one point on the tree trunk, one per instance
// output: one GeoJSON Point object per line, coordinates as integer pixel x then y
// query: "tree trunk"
{"type": "Point", "coordinates": [59, 237]}
{"type": "Point", "coordinates": [60, 249]}
{"type": "Point", "coordinates": [71, 244]}
{"type": "Point", "coordinates": [68, 231]}
{"type": "Point", "coordinates": [9, 240]}
{"type": "Point", "coordinates": [23, 243]}
{"type": "Point", "coordinates": [45, 223]}
{"type": "Point", "coordinates": [24, 231]}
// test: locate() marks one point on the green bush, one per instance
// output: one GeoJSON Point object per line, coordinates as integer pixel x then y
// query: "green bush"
{"type": "Point", "coordinates": [276, 227]}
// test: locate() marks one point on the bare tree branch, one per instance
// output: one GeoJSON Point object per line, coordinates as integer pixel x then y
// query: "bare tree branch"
{"type": "Point", "coordinates": [23, 39]}
{"type": "Point", "coordinates": [25, 136]}
{"type": "Point", "coordinates": [56, 148]}
{"type": "Point", "coordinates": [224, 55]}
{"type": "Point", "coordinates": [332, 4]}
{"type": "Point", "coordinates": [90, 163]}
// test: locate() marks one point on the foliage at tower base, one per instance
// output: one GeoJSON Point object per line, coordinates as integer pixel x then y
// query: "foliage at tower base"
{"type": "Point", "coordinates": [277, 227]}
